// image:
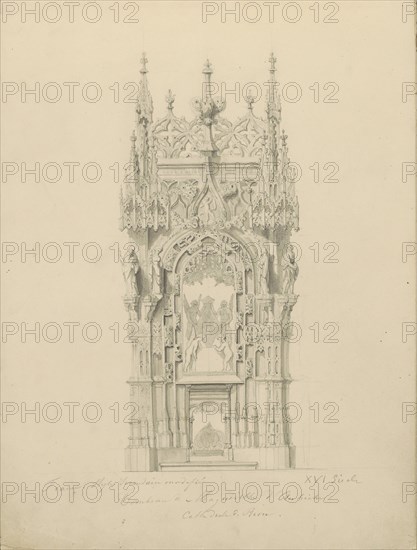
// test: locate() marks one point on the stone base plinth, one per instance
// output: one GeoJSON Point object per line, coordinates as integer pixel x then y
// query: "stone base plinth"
{"type": "Point", "coordinates": [268, 458]}
{"type": "Point", "coordinates": [145, 459]}
{"type": "Point", "coordinates": [222, 466]}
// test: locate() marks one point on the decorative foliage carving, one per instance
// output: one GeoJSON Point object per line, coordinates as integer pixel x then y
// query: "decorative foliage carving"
{"type": "Point", "coordinates": [169, 337]}
{"type": "Point", "coordinates": [249, 368]}
{"type": "Point", "coordinates": [185, 190]}
{"type": "Point", "coordinates": [169, 372]}
{"type": "Point", "coordinates": [178, 353]}
{"type": "Point", "coordinates": [239, 282]}
{"type": "Point", "coordinates": [212, 263]}
{"type": "Point", "coordinates": [260, 346]}
{"type": "Point", "coordinates": [156, 338]}
{"type": "Point", "coordinates": [208, 440]}
{"type": "Point", "coordinates": [252, 333]}
{"type": "Point", "coordinates": [170, 259]}
{"type": "Point", "coordinates": [244, 138]}
{"type": "Point", "coordinates": [265, 212]}
{"type": "Point", "coordinates": [174, 137]}
{"type": "Point", "coordinates": [182, 223]}
{"type": "Point", "coordinates": [249, 304]}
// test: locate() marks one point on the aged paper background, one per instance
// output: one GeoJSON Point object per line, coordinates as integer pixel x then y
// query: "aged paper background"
{"type": "Point", "coordinates": [369, 293]}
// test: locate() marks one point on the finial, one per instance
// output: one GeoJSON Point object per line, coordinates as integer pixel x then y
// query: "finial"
{"type": "Point", "coordinates": [284, 138]}
{"type": "Point", "coordinates": [207, 68]}
{"type": "Point", "coordinates": [143, 61]}
{"type": "Point", "coordinates": [272, 61]}
{"type": "Point", "coordinates": [207, 72]}
{"type": "Point", "coordinates": [170, 98]}
{"type": "Point", "coordinates": [250, 100]}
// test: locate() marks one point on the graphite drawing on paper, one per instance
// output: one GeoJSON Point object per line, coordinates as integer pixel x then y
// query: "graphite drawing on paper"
{"type": "Point", "coordinates": [209, 207]}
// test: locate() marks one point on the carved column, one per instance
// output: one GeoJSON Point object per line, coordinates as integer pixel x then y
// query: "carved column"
{"type": "Point", "coordinates": [228, 449]}
{"type": "Point", "coordinates": [189, 421]}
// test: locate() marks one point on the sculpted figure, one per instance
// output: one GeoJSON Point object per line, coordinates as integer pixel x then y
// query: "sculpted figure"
{"type": "Point", "coordinates": [155, 271]}
{"type": "Point", "coordinates": [290, 271]}
{"type": "Point", "coordinates": [130, 267]}
{"type": "Point", "coordinates": [192, 311]}
{"type": "Point", "coordinates": [206, 210]}
{"type": "Point", "coordinates": [207, 323]}
{"type": "Point", "coordinates": [263, 273]}
{"type": "Point", "coordinates": [191, 353]}
{"type": "Point", "coordinates": [222, 346]}
{"type": "Point", "coordinates": [225, 316]}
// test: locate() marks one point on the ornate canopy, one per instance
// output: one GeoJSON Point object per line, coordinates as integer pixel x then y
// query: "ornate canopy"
{"type": "Point", "coordinates": [209, 172]}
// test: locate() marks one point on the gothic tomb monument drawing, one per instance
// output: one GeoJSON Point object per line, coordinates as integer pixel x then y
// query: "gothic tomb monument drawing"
{"type": "Point", "coordinates": [210, 206]}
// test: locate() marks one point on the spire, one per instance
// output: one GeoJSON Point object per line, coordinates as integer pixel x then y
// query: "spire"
{"type": "Point", "coordinates": [144, 112]}
{"type": "Point", "coordinates": [273, 111]}
{"type": "Point", "coordinates": [131, 179]}
{"type": "Point", "coordinates": [273, 99]}
{"type": "Point", "coordinates": [143, 61]}
{"type": "Point", "coordinates": [272, 69]}
{"type": "Point", "coordinates": [144, 107]}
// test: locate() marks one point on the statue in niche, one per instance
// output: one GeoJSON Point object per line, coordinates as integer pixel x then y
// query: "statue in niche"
{"type": "Point", "coordinates": [155, 271]}
{"type": "Point", "coordinates": [290, 270]}
{"type": "Point", "coordinates": [263, 273]}
{"type": "Point", "coordinates": [268, 315]}
{"type": "Point", "coordinates": [130, 267]}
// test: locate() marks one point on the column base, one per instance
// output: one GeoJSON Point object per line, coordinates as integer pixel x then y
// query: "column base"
{"type": "Point", "coordinates": [141, 459]}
